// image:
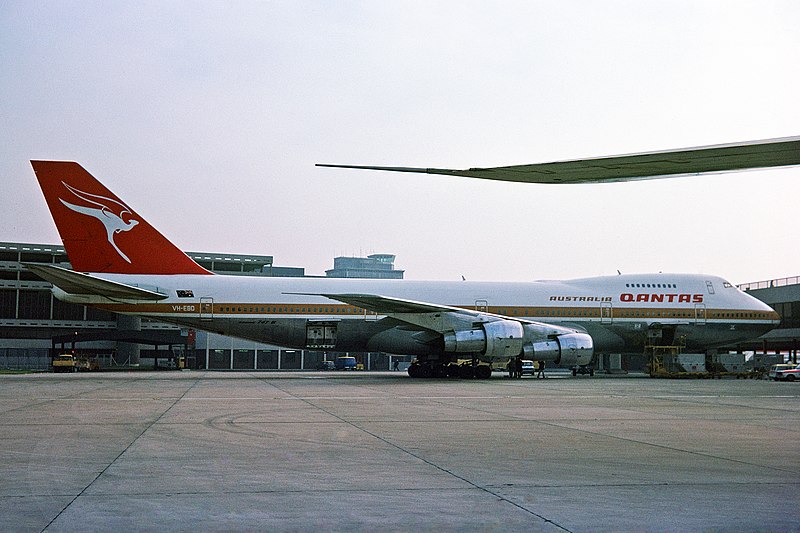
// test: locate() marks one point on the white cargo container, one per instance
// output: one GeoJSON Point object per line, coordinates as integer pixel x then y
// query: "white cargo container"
{"type": "Point", "coordinates": [688, 362]}
{"type": "Point", "coordinates": [732, 362]}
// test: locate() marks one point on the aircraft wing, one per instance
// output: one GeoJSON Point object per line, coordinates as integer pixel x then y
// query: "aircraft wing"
{"type": "Point", "coordinates": [435, 317]}
{"type": "Point", "coordinates": [767, 153]}
{"type": "Point", "coordinates": [78, 283]}
{"type": "Point", "coordinates": [386, 305]}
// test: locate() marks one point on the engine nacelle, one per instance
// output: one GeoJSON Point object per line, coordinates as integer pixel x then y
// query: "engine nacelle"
{"type": "Point", "coordinates": [499, 339]}
{"type": "Point", "coordinates": [569, 349]}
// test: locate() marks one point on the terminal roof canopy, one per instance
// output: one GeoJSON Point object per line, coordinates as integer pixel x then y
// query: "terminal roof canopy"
{"type": "Point", "coordinates": [767, 153]}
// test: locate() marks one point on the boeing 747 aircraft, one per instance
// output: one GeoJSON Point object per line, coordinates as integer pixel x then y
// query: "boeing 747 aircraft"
{"type": "Point", "coordinates": [123, 264]}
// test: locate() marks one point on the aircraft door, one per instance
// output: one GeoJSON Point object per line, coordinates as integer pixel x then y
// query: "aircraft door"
{"type": "Point", "coordinates": [700, 314]}
{"type": "Point", "coordinates": [606, 313]}
{"type": "Point", "coordinates": [206, 308]}
{"type": "Point", "coordinates": [321, 335]}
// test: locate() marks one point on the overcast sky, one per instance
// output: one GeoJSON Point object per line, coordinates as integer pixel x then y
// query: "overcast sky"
{"type": "Point", "coordinates": [207, 118]}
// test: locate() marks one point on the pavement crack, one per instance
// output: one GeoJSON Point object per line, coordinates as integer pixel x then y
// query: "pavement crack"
{"type": "Point", "coordinates": [441, 468]}
{"type": "Point", "coordinates": [128, 447]}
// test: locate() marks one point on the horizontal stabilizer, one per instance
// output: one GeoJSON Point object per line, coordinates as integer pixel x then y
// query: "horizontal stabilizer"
{"type": "Point", "coordinates": [770, 153]}
{"type": "Point", "coordinates": [78, 283]}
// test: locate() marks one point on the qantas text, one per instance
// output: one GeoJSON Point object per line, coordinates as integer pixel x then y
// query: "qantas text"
{"type": "Point", "coordinates": [669, 298]}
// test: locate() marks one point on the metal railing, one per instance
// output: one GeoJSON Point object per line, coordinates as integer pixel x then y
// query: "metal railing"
{"type": "Point", "coordinates": [768, 284]}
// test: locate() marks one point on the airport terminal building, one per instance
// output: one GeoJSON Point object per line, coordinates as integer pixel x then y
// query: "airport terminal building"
{"type": "Point", "coordinates": [783, 295]}
{"type": "Point", "coordinates": [375, 266]}
{"type": "Point", "coordinates": [34, 325]}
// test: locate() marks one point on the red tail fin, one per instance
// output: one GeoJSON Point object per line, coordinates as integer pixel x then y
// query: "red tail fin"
{"type": "Point", "coordinates": [99, 231]}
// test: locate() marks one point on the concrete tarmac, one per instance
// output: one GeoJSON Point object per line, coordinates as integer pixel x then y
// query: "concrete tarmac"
{"type": "Point", "coordinates": [189, 451]}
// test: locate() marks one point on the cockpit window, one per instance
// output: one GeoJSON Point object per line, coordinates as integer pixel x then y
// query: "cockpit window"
{"type": "Point", "coordinates": [726, 285]}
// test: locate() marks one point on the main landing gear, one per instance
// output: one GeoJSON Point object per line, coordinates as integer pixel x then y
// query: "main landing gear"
{"type": "Point", "coordinates": [435, 369]}
{"type": "Point", "coordinates": [585, 369]}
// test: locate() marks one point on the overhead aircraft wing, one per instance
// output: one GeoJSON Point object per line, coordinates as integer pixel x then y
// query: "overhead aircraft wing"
{"type": "Point", "coordinates": [767, 153]}
{"type": "Point", "coordinates": [78, 283]}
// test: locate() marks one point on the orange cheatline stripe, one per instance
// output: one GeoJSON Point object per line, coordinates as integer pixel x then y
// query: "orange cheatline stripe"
{"type": "Point", "coordinates": [509, 311]}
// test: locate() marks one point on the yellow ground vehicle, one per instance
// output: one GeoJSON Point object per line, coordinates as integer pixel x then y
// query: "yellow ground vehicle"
{"type": "Point", "coordinates": [64, 362]}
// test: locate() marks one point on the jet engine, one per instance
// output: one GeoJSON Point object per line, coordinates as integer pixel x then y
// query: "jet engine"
{"type": "Point", "coordinates": [569, 349]}
{"type": "Point", "coordinates": [499, 339]}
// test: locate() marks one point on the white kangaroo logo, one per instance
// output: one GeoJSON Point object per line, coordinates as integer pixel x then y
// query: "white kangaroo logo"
{"type": "Point", "coordinates": [109, 212]}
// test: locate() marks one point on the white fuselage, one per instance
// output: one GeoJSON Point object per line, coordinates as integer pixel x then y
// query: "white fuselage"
{"type": "Point", "coordinates": [619, 312]}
